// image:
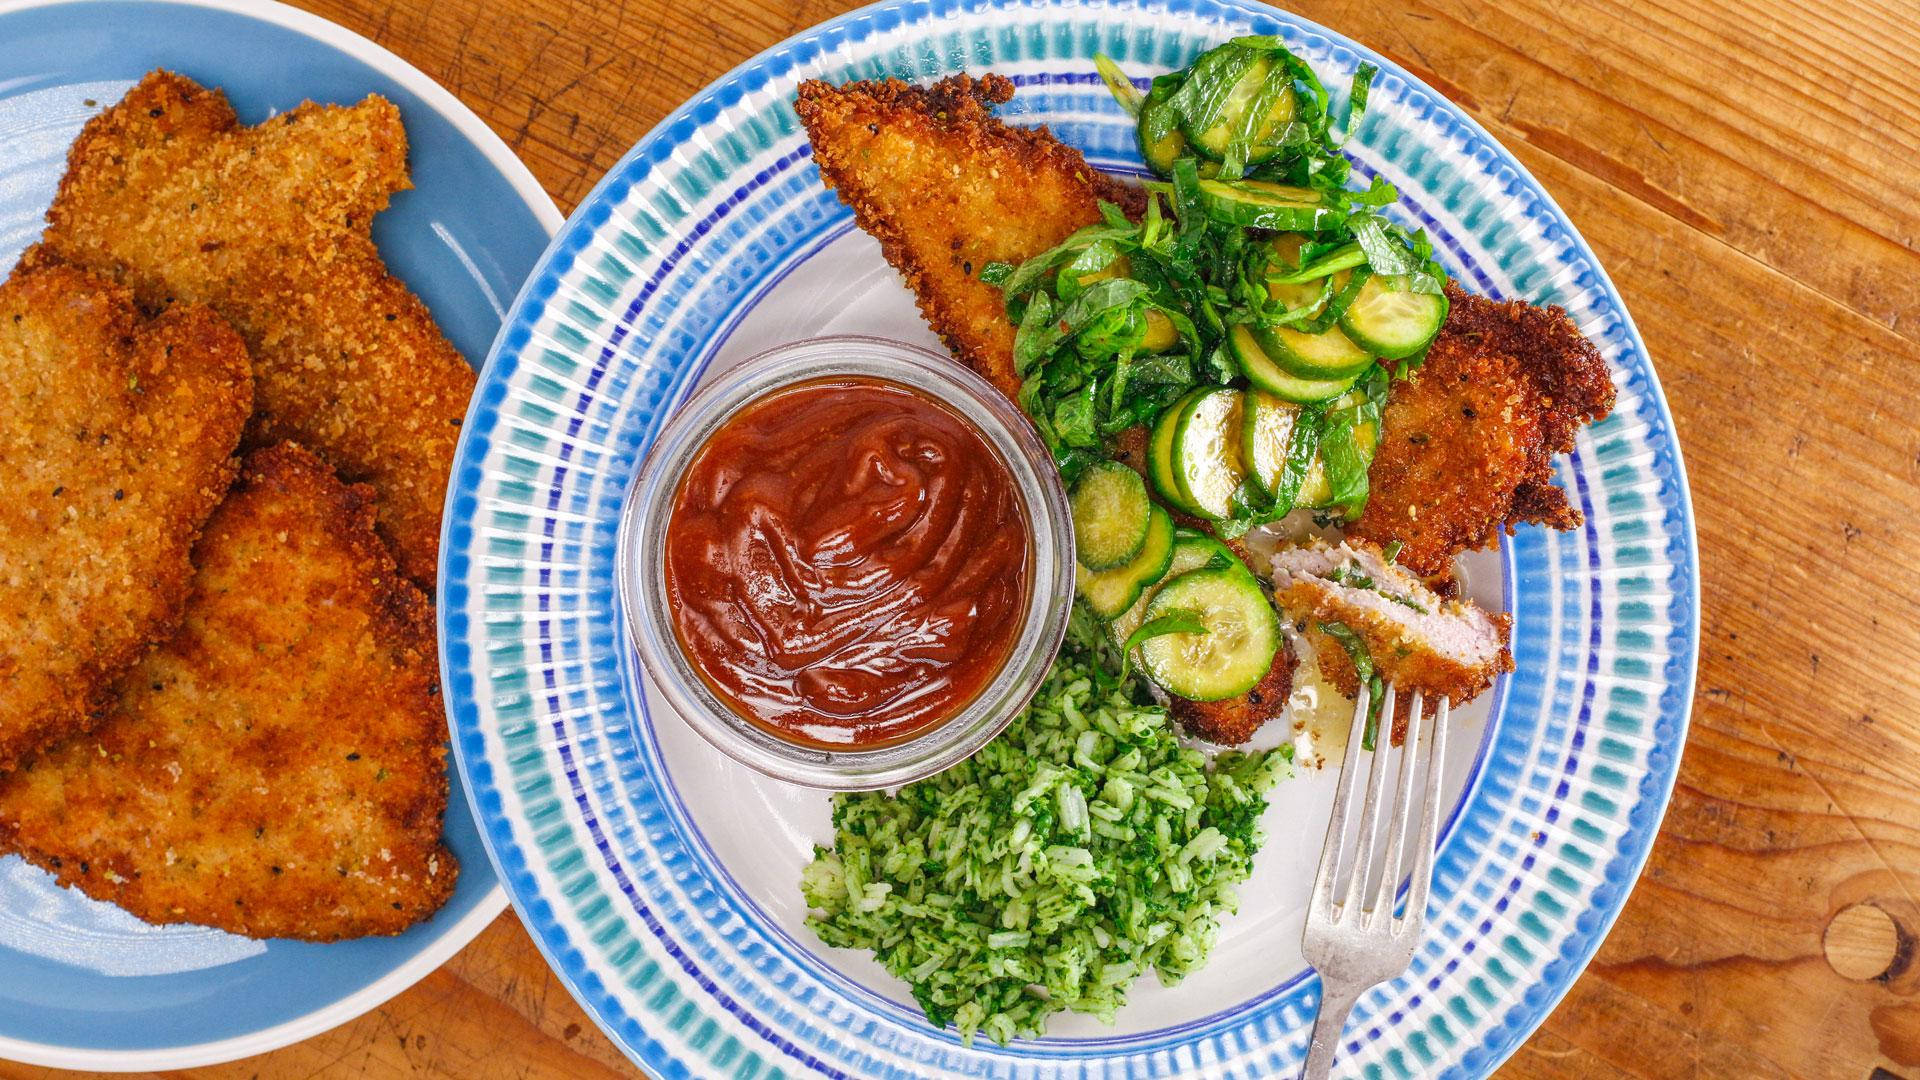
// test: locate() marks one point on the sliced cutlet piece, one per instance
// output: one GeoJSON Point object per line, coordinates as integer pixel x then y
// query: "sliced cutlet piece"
{"type": "Point", "coordinates": [278, 768]}
{"type": "Point", "coordinates": [1417, 639]}
{"type": "Point", "coordinates": [948, 188]}
{"type": "Point", "coordinates": [116, 443]}
{"type": "Point", "coordinates": [168, 193]}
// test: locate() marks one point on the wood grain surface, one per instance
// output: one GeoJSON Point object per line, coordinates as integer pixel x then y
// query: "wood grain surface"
{"type": "Point", "coordinates": [1748, 171]}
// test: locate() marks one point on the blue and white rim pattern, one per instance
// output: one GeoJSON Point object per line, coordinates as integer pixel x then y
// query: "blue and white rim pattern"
{"type": "Point", "coordinates": [637, 294]}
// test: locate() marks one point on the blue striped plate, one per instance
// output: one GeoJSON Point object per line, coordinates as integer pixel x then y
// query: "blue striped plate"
{"type": "Point", "coordinates": [661, 879]}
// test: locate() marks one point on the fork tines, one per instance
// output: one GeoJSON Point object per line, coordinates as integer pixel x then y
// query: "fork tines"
{"type": "Point", "coordinates": [1347, 863]}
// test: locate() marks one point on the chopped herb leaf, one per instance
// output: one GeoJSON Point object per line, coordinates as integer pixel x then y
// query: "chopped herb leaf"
{"type": "Point", "coordinates": [1364, 670]}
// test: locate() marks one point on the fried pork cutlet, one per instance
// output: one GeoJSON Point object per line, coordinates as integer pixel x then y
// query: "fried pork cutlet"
{"type": "Point", "coordinates": [169, 194]}
{"type": "Point", "coordinates": [116, 443]}
{"type": "Point", "coordinates": [1467, 441]}
{"type": "Point", "coordinates": [1417, 639]}
{"type": "Point", "coordinates": [947, 188]}
{"type": "Point", "coordinates": [277, 768]}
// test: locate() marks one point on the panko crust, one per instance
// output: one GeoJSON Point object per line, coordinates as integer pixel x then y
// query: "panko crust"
{"type": "Point", "coordinates": [270, 225]}
{"type": "Point", "coordinates": [278, 768]}
{"type": "Point", "coordinates": [1234, 720]}
{"type": "Point", "coordinates": [1467, 441]}
{"type": "Point", "coordinates": [947, 188]}
{"type": "Point", "coordinates": [116, 443]}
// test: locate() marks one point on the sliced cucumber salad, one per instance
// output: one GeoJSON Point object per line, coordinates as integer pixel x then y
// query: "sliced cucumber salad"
{"type": "Point", "coordinates": [1251, 318]}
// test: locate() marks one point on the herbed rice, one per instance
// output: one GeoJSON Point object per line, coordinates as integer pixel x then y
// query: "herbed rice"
{"type": "Point", "coordinates": [1082, 847]}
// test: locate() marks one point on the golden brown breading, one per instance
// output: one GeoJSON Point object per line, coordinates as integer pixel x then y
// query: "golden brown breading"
{"type": "Point", "coordinates": [269, 225]}
{"type": "Point", "coordinates": [1234, 720]}
{"type": "Point", "coordinates": [1467, 441]}
{"type": "Point", "coordinates": [116, 442]}
{"type": "Point", "coordinates": [1339, 671]}
{"type": "Point", "coordinates": [277, 768]}
{"type": "Point", "coordinates": [947, 188]}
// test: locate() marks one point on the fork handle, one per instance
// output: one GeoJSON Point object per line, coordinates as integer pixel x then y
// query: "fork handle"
{"type": "Point", "coordinates": [1327, 1026]}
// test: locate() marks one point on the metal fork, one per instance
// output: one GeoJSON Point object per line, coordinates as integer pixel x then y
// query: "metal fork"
{"type": "Point", "coordinates": [1355, 941]}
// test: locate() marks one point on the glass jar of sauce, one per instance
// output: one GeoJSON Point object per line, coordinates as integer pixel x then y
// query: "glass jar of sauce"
{"type": "Point", "coordinates": [847, 562]}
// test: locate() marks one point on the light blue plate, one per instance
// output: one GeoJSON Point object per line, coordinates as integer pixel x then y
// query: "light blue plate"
{"type": "Point", "coordinates": [83, 985]}
{"type": "Point", "coordinates": [661, 879]}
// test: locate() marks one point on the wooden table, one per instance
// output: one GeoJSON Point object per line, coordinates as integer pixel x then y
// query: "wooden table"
{"type": "Point", "coordinates": [1749, 172]}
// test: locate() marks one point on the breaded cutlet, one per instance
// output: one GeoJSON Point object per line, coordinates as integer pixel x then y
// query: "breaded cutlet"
{"type": "Point", "coordinates": [947, 188]}
{"type": "Point", "coordinates": [1415, 638]}
{"type": "Point", "coordinates": [1467, 441]}
{"type": "Point", "coordinates": [116, 441]}
{"type": "Point", "coordinates": [169, 194]}
{"type": "Point", "coordinates": [277, 768]}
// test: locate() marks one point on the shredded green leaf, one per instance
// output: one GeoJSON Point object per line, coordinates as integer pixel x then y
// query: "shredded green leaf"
{"type": "Point", "coordinates": [1173, 622]}
{"type": "Point", "coordinates": [1364, 669]}
{"type": "Point", "coordinates": [1348, 576]}
{"type": "Point", "coordinates": [1346, 456]}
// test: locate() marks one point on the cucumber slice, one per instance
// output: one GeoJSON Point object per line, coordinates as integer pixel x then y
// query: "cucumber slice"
{"type": "Point", "coordinates": [1160, 335]}
{"type": "Point", "coordinates": [1316, 492]}
{"type": "Point", "coordinates": [1160, 461]}
{"type": "Point", "coordinates": [1116, 591]}
{"type": "Point", "coordinates": [1243, 635]}
{"type": "Point", "coordinates": [1390, 319]}
{"type": "Point", "coordinates": [1273, 437]}
{"type": "Point", "coordinates": [1267, 426]}
{"type": "Point", "coordinates": [1206, 453]}
{"type": "Point", "coordinates": [1191, 551]}
{"type": "Point", "coordinates": [1262, 372]}
{"type": "Point", "coordinates": [1259, 205]}
{"type": "Point", "coordinates": [1110, 515]}
{"type": "Point", "coordinates": [1250, 91]}
{"type": "Point", "coordinates": [1160, 153]}
{"type": "Point", "coordinates": [1328, 355]}
{"type": "Point", "coordinates": [1299, 294]}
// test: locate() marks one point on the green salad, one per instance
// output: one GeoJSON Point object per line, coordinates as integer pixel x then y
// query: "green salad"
{"type": "Point", "coordinates": [1251, 319]}
{"type": "Point", "coordinates": [1080, 849]}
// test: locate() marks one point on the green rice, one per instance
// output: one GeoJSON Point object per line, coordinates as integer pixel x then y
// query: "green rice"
{"type": "Point", "coordinates": [1082, 847]}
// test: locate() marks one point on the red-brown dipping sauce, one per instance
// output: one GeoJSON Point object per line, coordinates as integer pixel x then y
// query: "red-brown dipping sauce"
{"type": "Point", "coordinates": [847, 562]}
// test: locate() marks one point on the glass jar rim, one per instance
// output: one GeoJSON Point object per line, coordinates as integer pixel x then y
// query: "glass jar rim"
{"type": "Point", "coordinates": [640, 561]}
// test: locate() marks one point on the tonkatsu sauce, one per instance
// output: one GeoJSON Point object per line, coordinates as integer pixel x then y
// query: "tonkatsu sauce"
{"type": "Point", "coordinates": [847, 562]}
